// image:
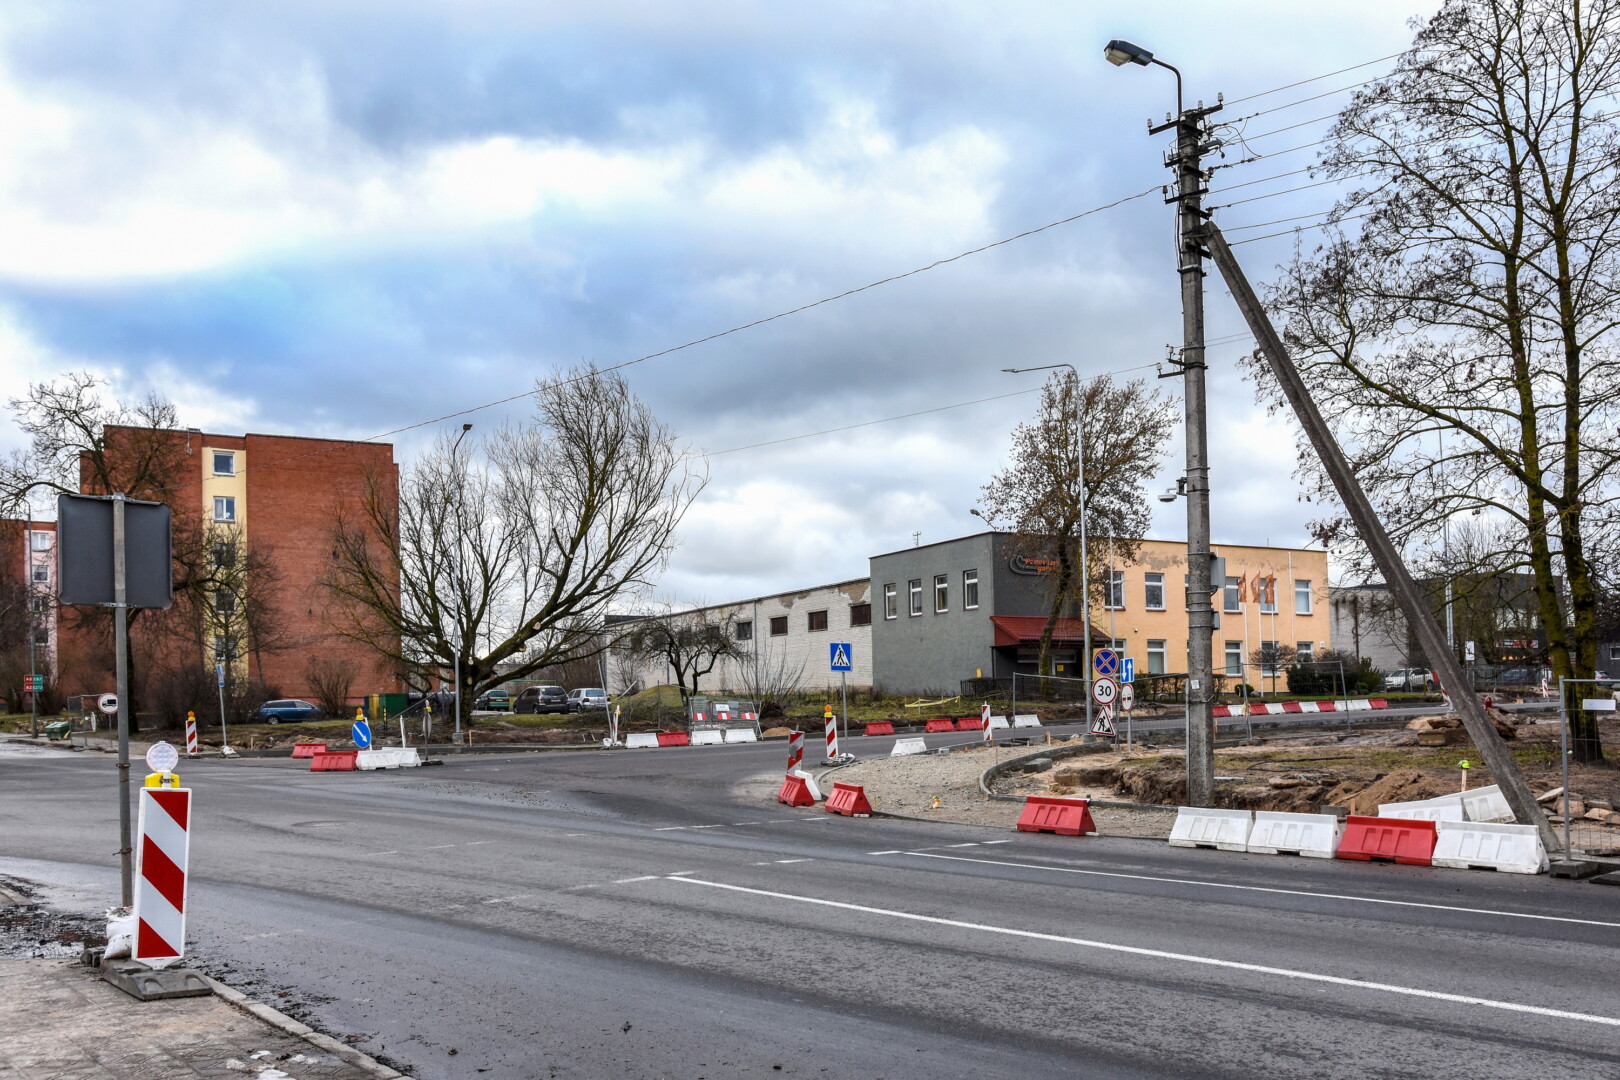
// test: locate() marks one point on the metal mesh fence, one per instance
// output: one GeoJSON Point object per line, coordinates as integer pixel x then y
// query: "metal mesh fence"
{"type": "Point", "coordinates": [1586, 811]}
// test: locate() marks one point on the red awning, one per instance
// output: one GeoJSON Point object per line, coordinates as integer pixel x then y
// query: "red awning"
{"type": "Point", "coordinates": [1026, 630]}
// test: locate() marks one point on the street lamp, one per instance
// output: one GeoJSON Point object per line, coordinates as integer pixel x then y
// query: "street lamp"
{"type": "Point", "coordinates": [1120, 53]}
{"type": "Point", "coordinates": [457, 580]}
{"type": "Point", "coordinates": [1085, 565]}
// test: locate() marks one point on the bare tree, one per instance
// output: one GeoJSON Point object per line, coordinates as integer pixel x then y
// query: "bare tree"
{"type": "Point", "coordinates": [1461, 336]}
{"type": "Point", "coordinates": [509, 565]}
{"type": "Point", "coordinates": [691, 642]}
{"type": "Point", "coordinates": [1125, 428]}
{"type": "Point", "coordinates": [331, 680]}
{"type": "Point", "coordinates": [770, 678]}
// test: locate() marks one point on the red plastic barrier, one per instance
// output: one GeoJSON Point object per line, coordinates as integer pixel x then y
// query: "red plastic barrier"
{"type": "Point", "coordinates": [1067, 817]}
{"type": "Point", "coordinates": [1404, 840]}
{"type": "Point", "coordinates": [334, 761]}
{"type": "Point", "coordinates": [674, 738]}
{"type": "Point", "coordinates": [849, 800]}
{"type": "Point", "coordinates": [970, 723]}
{"type": "Point", "coordinates": [940, 725]}
{"type": "Point", "coordinates": [795, 792]}
{"type": "Point", "coordinates": [882, 727]}
{"type": "Point", "coordinates": [1258, 708]}
{"type": "Point", "coordinates": [1292, 706]}
{"type": "Point", "coordinates": [308, 749]}
{"type": "Point", "coordinates": [1378, 703]}
{"type": "Point", "coordinates": [1220, 710]}
{"type": "Point", "coordinates": [1327, 706]}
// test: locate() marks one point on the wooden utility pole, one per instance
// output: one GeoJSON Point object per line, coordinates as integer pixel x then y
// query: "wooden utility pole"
{"type": "Point", "coordinates": [1384, 553]}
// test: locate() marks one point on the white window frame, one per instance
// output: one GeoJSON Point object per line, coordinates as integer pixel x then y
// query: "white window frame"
{"type": "Point", "coordinates": [942, 593]}
{"type": "Point", "coordinates": [1234, 650]}
{"type": "Point", "coordinates": [40, 540]}
{"type": "Point", "coordinates": [1148, 583]}
{"type": "Point", "coordinates": [1114, 600]}
{"type": "Point", "coordinates": [1306, 651]}
{"type": "Point", "coordinates": [914, 597]}
{"type": "Point", "coordinates": [1156, 648]}
{"type": "Point", "coordinates": [229, 456]}
{"type": "Point", "coordinates": [891, 600]}
{"type": "Point", "coordinates": [227, 504]}
{"type": "Point", "coordinates": [743, 630]}
{"type": "Point", "coordinates": [1269, 605]}
{"type": "Point", "coordinates": [41, 573]}
{"type": "Point", "coordinates": [1302, 596]}
{"type": "Point", "coordinates": [1269, 670]}
{"type": "Point", "coordinates": [970, 590]}
{"type": "Point", "coordinates": [1232, 599]}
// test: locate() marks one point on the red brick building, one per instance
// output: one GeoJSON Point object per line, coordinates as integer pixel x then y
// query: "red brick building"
{"type": "Point", "coordinates": [28, 640]}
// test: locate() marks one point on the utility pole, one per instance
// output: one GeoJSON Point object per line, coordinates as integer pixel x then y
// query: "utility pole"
{"type": "Point", "coordinates": [1376, 537]}
{"type": "Point", "coordinates": [1189, 127]}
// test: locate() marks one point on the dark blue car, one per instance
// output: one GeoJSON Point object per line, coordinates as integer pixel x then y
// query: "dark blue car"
{"type": "Point", "coordinates": [287, 711]}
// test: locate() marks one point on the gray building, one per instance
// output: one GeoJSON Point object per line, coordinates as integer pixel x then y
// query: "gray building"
{"type": "Point", "coordinates": [962, 609]}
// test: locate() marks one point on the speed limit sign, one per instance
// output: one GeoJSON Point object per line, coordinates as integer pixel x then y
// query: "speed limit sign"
{"type": "Point", "coordinates": [1127, 696]}
{"type": "Point", "coordinates": [1104, 691]}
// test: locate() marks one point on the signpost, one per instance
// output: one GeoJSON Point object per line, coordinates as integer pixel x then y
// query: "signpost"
{"type": "Point", "coordinates": [1127, 699]}
{"type": "Point", "coordinates": [841, 658]}
{"type": "Point", "coordinates": [224, 736]}
{"type": "Point", "coordinates": [1106, 662]}
{"type": "Point", "coordinates": [1127, 673]}
{"type": "Point", "coordinates": [1104, 691]}
{"type": "Point", "coordinates": [108, 703]}
{"type": "Point", "coordinates": [361, 731]}
{"type": "Point", "coordinates": [1103, 724]}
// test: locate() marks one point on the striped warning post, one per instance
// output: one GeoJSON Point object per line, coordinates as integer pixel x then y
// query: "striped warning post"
{"type": "Point", "coordinates": [191, 734]}
{"type": "Point", "coordinates": [832, 733]}
{"type": "Point", "coordinates": [984, 718]}
{"type": "Point", "coordinates": [795, 750]}
{"type": "Point", "coordinates": [160, 877]}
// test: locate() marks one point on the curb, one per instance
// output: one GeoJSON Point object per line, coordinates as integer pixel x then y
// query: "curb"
{"type": "Point", "coordinates": [282, 1022]}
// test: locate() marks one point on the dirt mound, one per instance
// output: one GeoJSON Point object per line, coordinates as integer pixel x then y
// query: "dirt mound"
{"type": "Point", "coordinates": [776, 733]}
{"type": "Point", "coordinates": [1402, 785]}
{"type": "Point", "coordinates": [1506, 726]}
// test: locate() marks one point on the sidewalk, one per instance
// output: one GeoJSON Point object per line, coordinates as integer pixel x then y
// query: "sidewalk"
{"type": "Point", "coordinates": [59, 1021]}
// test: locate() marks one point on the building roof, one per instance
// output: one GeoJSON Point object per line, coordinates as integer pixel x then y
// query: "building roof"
{"type": "Point", "coordinates": [1026, 630]}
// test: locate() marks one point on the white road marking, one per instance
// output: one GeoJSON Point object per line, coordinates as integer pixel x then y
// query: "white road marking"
{"type": "Point", "coordinates": [1160, 954]}
{"type": "Point", "coordinates": [379, 853]}
{"type": "Point", "coordinates": [997, 841]}
{"type": "Point", "coordinates": [680, 873]}
{"type": "Point", "coordinates": [508, 899]}
{"type": "Point", "coordinates": [628, 880]}
{"type": "Point", "coordinates": [970, 843]}
{"type": "Point", "coordinates": [435, 847]}
{"type": "Point", "coordinates": [897, 851]}
{"type": "Point", "coordinates": [1265, 889]}
{"type": "Point", "coordinates": [784, 862]}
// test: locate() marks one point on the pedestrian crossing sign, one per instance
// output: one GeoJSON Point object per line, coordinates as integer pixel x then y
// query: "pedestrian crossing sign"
{"type": "Point", "coordinates": [841, 655]}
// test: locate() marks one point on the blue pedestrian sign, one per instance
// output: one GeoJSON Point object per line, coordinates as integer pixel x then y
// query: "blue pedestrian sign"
{"type": "Point", "coordinates": [842, 655]}
{"type": "Point", "coordinates": [219, 673]}
{"type": "Point", "coordinates": [1128, 672]}
{"type": "Point", "coordinates": [1106, 662]}
{"type": "Point", "coordinates": [362, 734]}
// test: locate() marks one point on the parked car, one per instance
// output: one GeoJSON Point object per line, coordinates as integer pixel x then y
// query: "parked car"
{"type": "Point", "coordinates": [1412, 678]}
{"type": "Point", "coordinates": [493, 701]}
{"type": "Point", "coordinates": [590, 697]}
{"type": "Point", "coordinates": [541, 699]}
{"type": "Point", "coordinates": [287, 711]}
{"type": "Point", "coordinates": [1519, 677]}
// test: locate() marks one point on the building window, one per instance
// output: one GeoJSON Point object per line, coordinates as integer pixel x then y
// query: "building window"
{"type": "Point", "coordinates": [817, 620]}
{"type": "Point", "coordinates": [224, 602]}
{"type": "Point", "coordinates": [1155, 649]}
{"type": "Point", "coordinates": [970, 590]}
{"type": "Point", "coordinates": [40, 541]}
{"type": "Point", "coordinates": [42, 574]}
{"type": "Point", "coordinates": [745, 630]}
{"type": "Point", "coordinates": [1115, 600]}
{"type": "Point", "coordinates": [778, 626]}
{"type": "Point", "coordinates": [39, 602]}
{"type": "Point", "coordinates": [860, 614]}
{"type": "Point", "coordinates": [1153, 591]}
{"type": "Point", "coordinates": [224, 463]}
{"type": "Point", "coordinates": [1234, 594]}
{"type": "Point", "coordinates": [222, 649]}
{"type": "Point", "coordinates": [942, 594]}
{"type": "Point", "coordinates": [1268, 596]}
{"type": "Point", "coordinates": [1614, 653]}
{"type": "Point", "coordinates": [224, 508]}
{"type": "Point", "coordinates": [42, 637]}
{"type": "Point", "coordinates": [1302, 597]}
{"type": "Point", "coordinates": [1306, 651]}
{"type": "Point", "coordinates": [1268, 658]}
{"type": "Point", "coordinates": [914, 586]}
{"type": "Point", "coordinates": [224, 556]}
{"type": "Point", "coordinates": [1234, 657]}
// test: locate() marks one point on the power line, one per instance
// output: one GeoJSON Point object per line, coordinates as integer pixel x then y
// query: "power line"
{"type": "Point", "coordinates": [1315, 78]}
{"type": "Point", "coordinates": [1302, 228]}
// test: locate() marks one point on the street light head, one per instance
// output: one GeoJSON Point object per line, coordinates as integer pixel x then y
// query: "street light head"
{"type": "Point", "coordinates": [466, 427]}
{"type": "Point", "coordinates": [1119, 53]}
{"type": "Point", "coordinates": [1012, 370]}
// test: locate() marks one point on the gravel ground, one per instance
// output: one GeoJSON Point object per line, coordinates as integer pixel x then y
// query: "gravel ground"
{"type": "Point", "coordinates": [908, 785]}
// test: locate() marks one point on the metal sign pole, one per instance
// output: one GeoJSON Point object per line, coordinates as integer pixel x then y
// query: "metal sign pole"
{"type": "Point", "coordinates": [1563, 732]}
{"type": "Point", "coordinates": [843, 690]}
{"type": "Point", "coordinates": [126, 870]}
{"type": "Point", "coordinates": [224, 733]}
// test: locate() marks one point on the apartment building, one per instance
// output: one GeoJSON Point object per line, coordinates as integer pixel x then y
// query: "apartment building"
{"type": "Point", "coordinates": [28, 578]}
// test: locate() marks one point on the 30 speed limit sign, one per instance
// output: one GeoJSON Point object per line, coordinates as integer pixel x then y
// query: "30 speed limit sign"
{"type": "Point", "coordinates": [1104, 691]}
{"type": "Point", "coordinates": [1127, 696]}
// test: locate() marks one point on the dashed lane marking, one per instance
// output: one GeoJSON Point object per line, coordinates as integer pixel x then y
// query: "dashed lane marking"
{"type": "Point", "coordinates": [1160, 954]}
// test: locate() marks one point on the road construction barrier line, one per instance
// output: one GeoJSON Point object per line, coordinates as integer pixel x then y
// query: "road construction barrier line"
{"type": "Point", "coordinates": [809, 784]}
{"type": "Point", "coordinates": [707, 737]}
{"type": "Point", "coordinates": [939, 725]}
{"type": "Point", "coordinates": [673, 738]}
{"type": "Point", "coordinates": [915, 745]}
{"type": "Point", "coordinates": [1026, 720]}
{"type": "Point", "coordinates": [1291, 707]}
{"type": "Point", "coordinates": [1377, 703]}
{"type": "Point", "coordinates": [999, 722]}
{"type": "Point", "coordinates": [1474, 845]}
{"type": "Point", "coordinates": [160, 885]}
{"type": "Point", "coordinates": [640, 739]}
{"type": "Point", "coordinates": [1445, 808]}
{"type": "Point", "coordinates": [849, 800]}
{"type": "Point", "coordinates": [1056, 814]}
{"type": "Point", "coordinates": [308, 749]}
{"type": "Point", "coordinates": [881, 727]}
{"type": "Point", "coordinates": [970, 723]}
{"type": "Point", "coordinates": [741, 734]}
{"type": "Point", "coordinates": [1198, 826]}
{"type": "Point", "coordinates": [1308, 706]}
{"type": "Point", "coordinates": [191, 735]}
{"type": "Point", "coordinates": [1219, 710]}
{"type": "Point", "coordinates": [1313, 836]}
{"type": "Point", "coordinates": [333, 761]}
{"type": "Point", "coordinates": [794, 792]}
{"type": "Point", "coordinates": [1327, 706]}
{"type": "Point", "coordinates": [1402, 840]}
{"type": "Point", "coordinates": [1486, 804]}
{"type": "Point", "coordinates": [795, 749]}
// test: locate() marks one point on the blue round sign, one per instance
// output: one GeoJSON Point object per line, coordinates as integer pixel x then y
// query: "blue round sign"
{"type": "Point", "coordinates": [362, 734]}
{"type": "Point", "coordinates": [1106, 662]}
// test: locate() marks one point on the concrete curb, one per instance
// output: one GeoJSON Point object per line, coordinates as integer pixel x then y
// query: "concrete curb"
{"type": "Point", "coordinates": [282, 1022]}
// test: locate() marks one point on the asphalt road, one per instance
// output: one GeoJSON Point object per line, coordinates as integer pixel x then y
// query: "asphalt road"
{"type": "Point", "coordinates": [656, 914]}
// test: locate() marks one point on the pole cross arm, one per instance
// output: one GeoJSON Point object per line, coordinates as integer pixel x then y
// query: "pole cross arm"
{"type": "Point", "coordinates": [1388, 558]}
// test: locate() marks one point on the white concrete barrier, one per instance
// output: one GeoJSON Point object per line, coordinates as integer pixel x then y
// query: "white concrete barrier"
{"type": "Point", "coordinates": [741, 734]}
{"type": "Point", "coordinates": [1026, 720]}
{"type": "Point", "coordinates": [367, 760]}
{"type": "Point", "coordinates": [1445, 808]}
{"type": "Point", "coordinates": [809, 784]}
{"type": "Point", "coordinates": [410, 757]}
{"type": "Point", "coordinates": [999, 722]}
{"type": "Point", "coordinates": [707, 737]}
{"type": "Point", "coordinates": [1358, 705]}
{"type": "Point", "coordinates": [641, 738]}
{"type": "Point", "coordinates": [1308, 706]}
{"type": "Point", "coordinates": [903, 747]}
{"type": "Point", "coordinates": [1314, 836]}
{"type": "Point", "coordinates": [1199, 826]}
{"type": "Point", "coordinates": [1471, 845]}
{"type": "Point", "coordinates": [1486, 804]}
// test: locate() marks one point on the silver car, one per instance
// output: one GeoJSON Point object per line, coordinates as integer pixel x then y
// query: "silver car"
{"type": "Point", "coordinates": [1412, 678]}
{"type": "Point", "coordinates": [590, 697]}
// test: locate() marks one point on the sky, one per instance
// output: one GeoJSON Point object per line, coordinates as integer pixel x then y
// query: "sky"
{"type": "Point", "coordinates": [343, 218]}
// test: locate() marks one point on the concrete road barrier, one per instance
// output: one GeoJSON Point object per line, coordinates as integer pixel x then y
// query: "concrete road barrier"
{"type": "Point", "coordinates": [741, 734]}
{"type": "Point", "coordinates": [1026, 720]}
{"type": "Point", "coordinates": [902, 747]}
{"type": "Point", "coordinates": [1483, 845]}
{"type": "Point", "coordinates": [641, 739]}
{"type": "Point", "coordinates": [999, 722]}
{"type": "Point", "coordinates": [1198, 826]}
{"type": "Point", "coordinates": [1402, 840]}
{"type": "Point", "coordinates": [810, 784]}
{"type": "Point", "coordinates": [708, 737]}
{"type": "Point", "coordinates": [1486, 804]}
{"type": "Point", "coordinates": [1445, 808]}
{"type": "Point", "coordinates": [1315, 836]}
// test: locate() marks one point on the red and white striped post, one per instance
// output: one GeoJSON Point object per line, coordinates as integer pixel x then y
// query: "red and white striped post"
{"type": "Point", "coordinates": [795, 750]}
{"type": "Point", "coordinates": [160, 878]}
{"type": "Point", "coordinates": [191, 734]}
{"type": "Point", "coordinates": [832, 733]}
{"type": "Point", "coordinates": [984, 718]}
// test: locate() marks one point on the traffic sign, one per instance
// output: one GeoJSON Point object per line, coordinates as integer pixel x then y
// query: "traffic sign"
{"type": "Point", "coordinates": [1104, 691]}
{"type": "Point", "coordinates": [162, 757]}
{"type": "Point", "coordinates": [841, 655]}
{"type": "Point", "coordinates": [1127, 673]}
{"type": "Point", "coordinates": [36, 683]}
{"type": "Point", "coordinates": [1103, 723]}
{"type": "Point", "coordinates": [107, 703]}
{"type": "Point", "coordinates": [1127, 696]}
{"type": "Point", "coordinates": [362, 734]}
{"type": "Point", "coordinates": [1106, 662]}
{"type": "Point", "coordinates": [219, 674]}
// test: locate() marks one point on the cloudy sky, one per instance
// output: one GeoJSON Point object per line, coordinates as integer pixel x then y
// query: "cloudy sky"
{"type": "Point", "coordinates": [345, 217]}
